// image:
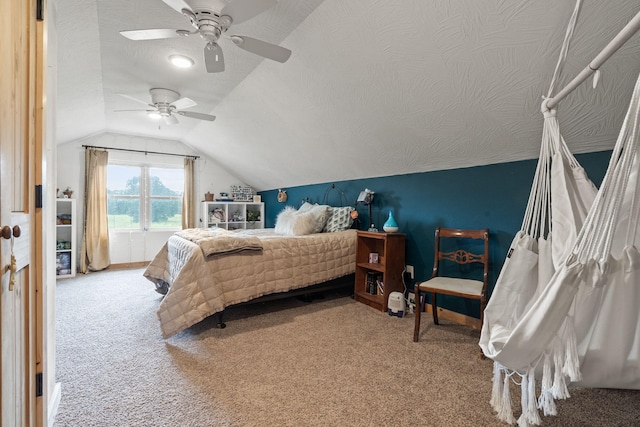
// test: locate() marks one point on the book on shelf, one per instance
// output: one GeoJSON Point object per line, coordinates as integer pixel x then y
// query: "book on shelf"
{"type": "Point", "coordinates": [380, 286]}
{"type": "Point", "coordinates": [374, 284]}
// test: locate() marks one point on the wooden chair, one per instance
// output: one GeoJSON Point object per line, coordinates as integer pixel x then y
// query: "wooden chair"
{"type": "Point", "coordinates": [456, 286]}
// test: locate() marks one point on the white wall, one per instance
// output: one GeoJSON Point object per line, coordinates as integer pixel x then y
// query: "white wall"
{"type": "Point", "coordinates": [137, 246]}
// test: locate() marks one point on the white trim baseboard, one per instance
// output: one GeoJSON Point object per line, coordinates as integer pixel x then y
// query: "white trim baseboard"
{"type": "Point", "coordinates": [460, 318]}
{"type": "Point", "coordinates": [54, 402]}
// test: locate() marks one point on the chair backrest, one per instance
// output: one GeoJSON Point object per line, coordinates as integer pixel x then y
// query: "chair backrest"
{"type": "Point", "coordinates": [462, 256]}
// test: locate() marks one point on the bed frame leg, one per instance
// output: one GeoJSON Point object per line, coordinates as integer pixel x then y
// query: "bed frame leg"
{"type": "Point", "coordinates": [218, 317]}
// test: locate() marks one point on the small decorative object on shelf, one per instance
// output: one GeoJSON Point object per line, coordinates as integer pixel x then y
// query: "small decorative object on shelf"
{"type": "Point", "coordinates": [241, 193]}
{"type": "Point", "coordinates": [208, 197]}
{"type": "Point", "coordinates": [224, 197]}
{"type": "Point", "coordinates": [68, 192]}
{"type": "Point", "coordinates": [373, 258]}
{"type": "Point", "coordinates": [63, 219]}
{"type": "Point", "coordinates": [63, 264]}
{"type": "Point", "coordinates": [391, 226]}
{"type": "Point", "coordinates": [216, 216]}
{"type": "Point", "coordinates": [253, 216]}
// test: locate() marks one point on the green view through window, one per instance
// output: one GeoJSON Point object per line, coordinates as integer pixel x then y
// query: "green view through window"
{"type": "Point", "coordinates": [144, 197]}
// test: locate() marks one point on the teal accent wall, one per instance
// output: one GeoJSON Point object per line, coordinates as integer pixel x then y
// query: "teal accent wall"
{"type": "Point", "coordinates": [492, 196]}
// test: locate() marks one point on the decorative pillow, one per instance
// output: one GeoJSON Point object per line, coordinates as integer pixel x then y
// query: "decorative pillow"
{"type": "Point", "coordinates": [319, 212]}
{"type": "Point", "coordinates": [296, 223]}
{"type": "Point", "coordinates": [306, 206]}
{"type": "Point", "coordinates": [339, 219]}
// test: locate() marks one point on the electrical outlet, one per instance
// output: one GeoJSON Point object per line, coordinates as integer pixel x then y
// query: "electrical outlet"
{"type": "Point", "coordinates": [409, 270]}
{"type": "Point", "coordinates": [411, 303]}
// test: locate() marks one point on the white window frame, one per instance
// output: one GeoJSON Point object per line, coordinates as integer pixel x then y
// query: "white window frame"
{"type": "Point", "coordinates": [145, 196]}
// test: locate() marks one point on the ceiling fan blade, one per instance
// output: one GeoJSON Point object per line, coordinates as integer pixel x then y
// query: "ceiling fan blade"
{"type": "Point", "coordinates": [150, 34]}
{"type": "Point", "coordinates": [170, 119]}
{"type": "Point", "coordinates": [135, 99]}
{"type": "Point", "coordinates": [194, 115]}
{"type": "Point", "coordinates": [242, 10]}
{"type": "Point", "coordinates": [183, 103]}
{"type": "Point", "coordinates": [262, 48]}
{"type": "Point", "coordinates": [213, 58]}
{"type": "Point", "coordinates": [177, 5]}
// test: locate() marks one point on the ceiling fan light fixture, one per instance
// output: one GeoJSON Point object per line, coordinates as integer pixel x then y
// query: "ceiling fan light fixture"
{"type": "Point", "coordinates": [181, 61]}
{"type": "Point", "coordinates": [154, 115]}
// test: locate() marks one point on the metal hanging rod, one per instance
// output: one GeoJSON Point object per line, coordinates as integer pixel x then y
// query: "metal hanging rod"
{"type": "Point", "coordinates": [142, 151]}
{"type": "Point", "coordinates": [625, 34]}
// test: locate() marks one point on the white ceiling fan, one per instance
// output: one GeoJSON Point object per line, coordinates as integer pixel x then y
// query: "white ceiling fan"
{"type": "Point", "coordinates": [211, 19]}
{"type": "Point", "coordinates": [166, 104]}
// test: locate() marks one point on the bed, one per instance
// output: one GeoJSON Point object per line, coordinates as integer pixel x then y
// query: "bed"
{"type": "Point", "coordinates": [204, 271]}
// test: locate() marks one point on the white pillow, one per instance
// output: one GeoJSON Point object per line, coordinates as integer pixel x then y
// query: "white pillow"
{"type": "Point", "coordinates": [306, 206]}
{"type": "Point", "coordinates": [320, 213]}
{"type": "Point", "coordinates": [294, 223]}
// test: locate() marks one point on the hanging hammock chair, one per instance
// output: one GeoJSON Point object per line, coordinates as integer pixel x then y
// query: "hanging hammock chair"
{"type": "Point", "coordinates": [586, 320]}
{"type": "Point", "coordinates": [567, 301]}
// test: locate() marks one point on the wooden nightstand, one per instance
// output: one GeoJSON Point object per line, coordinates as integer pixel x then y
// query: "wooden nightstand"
{"type": "Point", "coordinates": [390, 250]}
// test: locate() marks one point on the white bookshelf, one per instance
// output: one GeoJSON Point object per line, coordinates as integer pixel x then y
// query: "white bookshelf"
{"type": "Point", "coordinates": [65, 238]}
{"type": "Point", "coordinates": [233, 215]}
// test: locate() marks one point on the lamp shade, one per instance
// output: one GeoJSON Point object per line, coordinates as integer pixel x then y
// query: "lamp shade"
{"type": "Point", "coordinates": [365, 197]}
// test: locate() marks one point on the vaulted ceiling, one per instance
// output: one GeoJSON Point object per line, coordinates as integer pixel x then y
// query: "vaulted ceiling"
{"type": "Point", "coordinates": [372, 88]}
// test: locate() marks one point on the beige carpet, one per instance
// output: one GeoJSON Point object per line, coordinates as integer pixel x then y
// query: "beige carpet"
{"type": "Point", "coordinates": [332, 362]}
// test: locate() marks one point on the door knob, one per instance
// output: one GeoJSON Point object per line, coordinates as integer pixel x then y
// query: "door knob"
{"type": "Point", "coordinates": [10, 233]}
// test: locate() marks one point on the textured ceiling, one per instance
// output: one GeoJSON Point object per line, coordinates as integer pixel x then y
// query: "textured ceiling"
{"type": "Point", "coordinates": [373, 88]}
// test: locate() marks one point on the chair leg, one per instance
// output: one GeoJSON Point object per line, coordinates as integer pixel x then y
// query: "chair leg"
{"type": "Point", "coordinates": [434, 308]}
{"type": "Point", "coordinates": [419, 308]}
{"type": "Point", "coordinates": [483, 305]}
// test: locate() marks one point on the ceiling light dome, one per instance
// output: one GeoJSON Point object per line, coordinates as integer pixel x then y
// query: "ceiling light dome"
{"type": "Point", "coordinates": [181, 61]}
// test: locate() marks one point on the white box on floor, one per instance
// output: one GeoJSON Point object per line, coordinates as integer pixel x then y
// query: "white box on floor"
{"type": "Point", "coordinates": [395, 305]}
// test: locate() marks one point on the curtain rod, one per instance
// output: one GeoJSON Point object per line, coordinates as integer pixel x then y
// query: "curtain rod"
{"type": "Point", "coordinates": [142, 151]}
{"type": "Point", "coordinates": [625, 34]}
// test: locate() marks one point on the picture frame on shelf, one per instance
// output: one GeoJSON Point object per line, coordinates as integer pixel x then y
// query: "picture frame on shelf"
{"type": "Point", "coordinates": [241, 193]}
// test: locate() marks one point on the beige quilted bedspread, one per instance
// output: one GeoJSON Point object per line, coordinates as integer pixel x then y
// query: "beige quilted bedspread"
{"type": "Point", "coordinates": [218, 241]}
{"type": "Point", "coordinates": [201, 286]}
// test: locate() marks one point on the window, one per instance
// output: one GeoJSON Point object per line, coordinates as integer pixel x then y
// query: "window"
{"type": "Point", "coordinates": [144, 197]}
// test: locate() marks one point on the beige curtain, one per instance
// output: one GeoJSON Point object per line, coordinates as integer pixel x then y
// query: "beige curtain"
{"type": "Point", "coordinates": [188, 211]}
{"type": "Point", "coordinates": [94, 253]}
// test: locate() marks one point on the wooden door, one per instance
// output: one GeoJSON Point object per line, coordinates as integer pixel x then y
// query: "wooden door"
{"type": "Point", "coordinates": [18, 113]}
